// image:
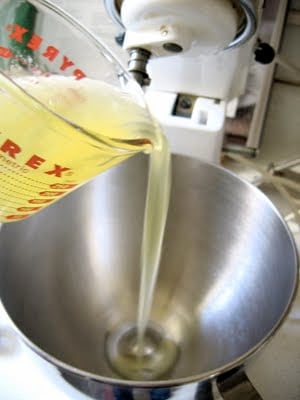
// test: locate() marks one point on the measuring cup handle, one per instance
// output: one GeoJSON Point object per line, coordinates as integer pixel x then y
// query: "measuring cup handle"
{"type": "Point", "coordinates": [235, 385]}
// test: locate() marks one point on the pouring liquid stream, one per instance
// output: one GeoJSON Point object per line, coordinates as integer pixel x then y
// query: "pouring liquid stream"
{"type": "Point", "coordinates": [29, 183]}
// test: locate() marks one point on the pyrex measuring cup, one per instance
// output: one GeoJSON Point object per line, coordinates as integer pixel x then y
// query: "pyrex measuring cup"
{"type": "Point", "coordinates": [64, 117]}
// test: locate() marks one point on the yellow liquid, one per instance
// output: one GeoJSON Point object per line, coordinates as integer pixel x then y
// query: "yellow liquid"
{"type": "Point", "coordinates": [43, 157]}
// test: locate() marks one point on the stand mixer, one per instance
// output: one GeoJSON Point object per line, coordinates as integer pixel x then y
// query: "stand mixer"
{"type": "Point", "coordinates": [194, 58]}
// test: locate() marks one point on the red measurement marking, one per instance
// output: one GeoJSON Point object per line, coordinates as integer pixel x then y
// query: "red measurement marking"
{"type": "Point", "coordinates": [51, 194]}
{"type": "Point", "coordinates": [39, 201]}
{"type": "Point", "coordinates": [28, 209]}
{"type": "Point", "coordinates": [62, 186]}
{"type": "Point", "coordinates": [16, 217]}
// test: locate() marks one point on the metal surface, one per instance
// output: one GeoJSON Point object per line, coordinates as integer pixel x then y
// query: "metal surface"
{"type": "Point", "coordinates": [235, 385]}
{"type": "Point", "coordinates": [137, 65]}
{"type": "Point", "coordinates": [70, 275]}
{"type": "Point", "coordinates": [113, 8]}
{"type": "Point", "coordinates": [250, 24]}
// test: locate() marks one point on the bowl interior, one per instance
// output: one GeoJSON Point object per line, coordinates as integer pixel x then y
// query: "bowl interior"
{"type": "Point", "coordinates": [70, 275]}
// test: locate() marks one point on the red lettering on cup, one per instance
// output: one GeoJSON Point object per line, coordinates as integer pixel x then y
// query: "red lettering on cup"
{"type": "Point", "coordinates": [51, 53]}
{"type": "Point", "coordinates": [35, 42]}
{"type": "Point", "coordinates": [5, 52]}
{"type": "Point", "coordinates": [35, 161]}
{"type": "Point", "coordinates": [57, 171]}
{"type": "Point", "coordinates": [18, 33]}
{"type": "Point", "coordinates": [66, 63]}
{"type": "Point", "coordinates": [79, 74]}
{"type": "Point", "coordinates": [10, 148]}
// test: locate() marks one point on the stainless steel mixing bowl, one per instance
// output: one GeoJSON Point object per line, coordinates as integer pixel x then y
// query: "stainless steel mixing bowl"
{"type": "Point", "coordinates": [70, 275]}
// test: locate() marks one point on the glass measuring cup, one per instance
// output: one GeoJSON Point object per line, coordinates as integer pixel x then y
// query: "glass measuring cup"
{"type": "Point", "coordinates": [68, 109]}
